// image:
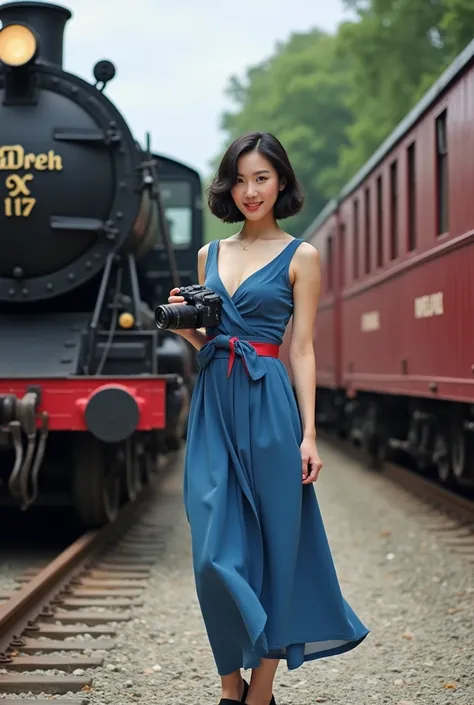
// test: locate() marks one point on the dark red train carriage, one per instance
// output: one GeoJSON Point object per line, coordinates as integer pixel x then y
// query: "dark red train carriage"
{"type": "Point", "coordinates": [394, 335]}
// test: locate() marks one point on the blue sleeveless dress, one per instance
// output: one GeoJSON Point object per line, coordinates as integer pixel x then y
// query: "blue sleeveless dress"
{"type": "Point", "coordinates": [264, 573]}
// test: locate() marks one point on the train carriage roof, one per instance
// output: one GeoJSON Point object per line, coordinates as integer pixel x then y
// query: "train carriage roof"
{"type": "Point", "coordinates": [462, 62]}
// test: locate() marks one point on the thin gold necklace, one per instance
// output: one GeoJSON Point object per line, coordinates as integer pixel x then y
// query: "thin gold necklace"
{"type": "Point", "coordinates": [249, 244]}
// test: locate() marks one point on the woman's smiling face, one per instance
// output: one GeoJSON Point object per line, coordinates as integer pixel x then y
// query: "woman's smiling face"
{"type": "Point", "coordinates": [257, 186]}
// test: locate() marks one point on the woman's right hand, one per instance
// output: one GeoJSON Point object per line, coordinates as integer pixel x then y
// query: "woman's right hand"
{"type": "Point", "coordinates": [174, 298]}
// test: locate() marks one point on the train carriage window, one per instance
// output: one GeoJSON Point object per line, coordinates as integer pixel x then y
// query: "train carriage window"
{"type": "Point", "coordinates": [342, 256]}
{"type": "Point", "coordinates": [329, 263]}
{"type": "Point", "coordinates": [442, 174]}
{"type": "Point", "coordinates": [394, 210]}
{"type": "Point", "coordinates": [355, 217]}
{"type": "Point", "coordinates": [177, 202]}
{"type": "Point", "coordinates": [367, 230]}
{"type": "Point", "coordinates": [411, 197]}
{"type": "Point", "coordinates": [379, 222]}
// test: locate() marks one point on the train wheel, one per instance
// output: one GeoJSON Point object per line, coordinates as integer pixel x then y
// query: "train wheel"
{"type": "Point", "coordinates": [462, 456]}
{"type": "Point", "coordinates": [133, 472]}
{"type": "Point", "coordinates": [373, 438]}
{"type": "Point", "coordinates": [96, 482]}
{"type": "Point", "coordinates": [145, 461]}
{"type": "Point", "coordinates": [376, 448]}
{"type": "Point", "coordinates": [421, 441]}
{"type": "Point", "coordinates": [442, 457]}
{"type": "Point", "coordinates": [148, 467]}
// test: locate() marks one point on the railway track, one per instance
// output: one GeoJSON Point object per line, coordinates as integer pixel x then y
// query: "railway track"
{"type": "Point", "coordinates": [55, 628]}
{"type": "Point", "coordinates": [447, 514]}
{"type": "Point", "coordinates": [72, 607]}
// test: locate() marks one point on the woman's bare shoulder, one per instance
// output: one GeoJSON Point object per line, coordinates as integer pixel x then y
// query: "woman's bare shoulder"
{"type": "Point", "coordinates": [203, 251]}
{"type": "Point", "coordinates": [305, 258]}
{"type": "Point", "coordinates": [202, 260]}
{"type": "Point", "coordinates": [307, 252]}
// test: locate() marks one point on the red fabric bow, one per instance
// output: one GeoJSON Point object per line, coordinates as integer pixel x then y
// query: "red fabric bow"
{"type": "Point", "coordinates": [232, 342]}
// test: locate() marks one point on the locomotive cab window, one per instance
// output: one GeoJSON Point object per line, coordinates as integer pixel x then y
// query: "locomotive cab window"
{"type": "Point", "coordinates": [177, 202]}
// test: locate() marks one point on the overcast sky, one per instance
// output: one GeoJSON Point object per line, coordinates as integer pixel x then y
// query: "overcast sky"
{"type": "Point", "coordinates": [174, 58]}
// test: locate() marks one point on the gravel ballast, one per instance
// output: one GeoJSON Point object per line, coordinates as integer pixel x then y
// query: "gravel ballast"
{"type": "Point", "coordinates": [405, 583]}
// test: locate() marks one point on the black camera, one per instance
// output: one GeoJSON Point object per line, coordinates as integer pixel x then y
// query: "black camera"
{"type": "Point", "coordinates": [201, 310]}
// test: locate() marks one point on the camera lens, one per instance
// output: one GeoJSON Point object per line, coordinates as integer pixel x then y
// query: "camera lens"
{"type": "Point", "coordinates": [162, 317]}
{"type": "Point", "coordinates": [176, 316]}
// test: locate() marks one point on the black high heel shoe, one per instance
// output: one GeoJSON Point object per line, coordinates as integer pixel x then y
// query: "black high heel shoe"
{"type": "Point", "coordinates": [228, 701]}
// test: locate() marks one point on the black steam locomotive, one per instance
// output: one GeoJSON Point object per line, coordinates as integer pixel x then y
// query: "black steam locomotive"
{"type": "Point", "coordinates": [94, 231]}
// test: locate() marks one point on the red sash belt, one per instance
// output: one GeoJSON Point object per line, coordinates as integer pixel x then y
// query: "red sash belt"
{"type": "Point", "coordinates": [264, 349]}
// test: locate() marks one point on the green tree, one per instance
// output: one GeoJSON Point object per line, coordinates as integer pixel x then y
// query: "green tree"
{"type": "Point", "coordinates": [332, 100]}
{"type": "Point", "coordinates": [395, 49]}
{"type": "Point", "coordinates": [298, 94]}
{"type": "Point", "coordinates": [458, 24]}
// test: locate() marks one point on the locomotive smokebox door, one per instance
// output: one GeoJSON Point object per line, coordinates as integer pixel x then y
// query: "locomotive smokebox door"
{"type": "Point", "coordinates": [72, 183]}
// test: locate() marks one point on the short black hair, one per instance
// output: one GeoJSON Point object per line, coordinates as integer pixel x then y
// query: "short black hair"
{"type": "Point", "coordinates": [290, 200]}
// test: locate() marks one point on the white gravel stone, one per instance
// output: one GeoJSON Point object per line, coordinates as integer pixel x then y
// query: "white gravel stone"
{"type": "Point", "coordinates": [418, 604]}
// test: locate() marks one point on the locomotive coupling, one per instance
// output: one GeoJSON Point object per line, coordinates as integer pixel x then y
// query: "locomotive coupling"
{"type": "Point", "coordinates": [17, 415]}
{"type": "Point", "coordinates": [22, 410]}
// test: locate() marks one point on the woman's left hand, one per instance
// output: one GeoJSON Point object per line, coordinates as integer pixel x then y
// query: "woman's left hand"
{"type": "Point", "coordinates": [310, 461]}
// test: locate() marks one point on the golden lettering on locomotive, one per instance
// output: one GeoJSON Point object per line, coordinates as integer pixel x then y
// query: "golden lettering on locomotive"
{"type": "Point", "coordinates": [13, 157]}
{"type": "Point", "coordinates": [19, 202]}
{"type": "Point", "coordinates": [15, 204]}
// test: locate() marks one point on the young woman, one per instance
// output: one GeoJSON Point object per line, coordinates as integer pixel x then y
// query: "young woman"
{"type": "Point", "coordinates": [264, 574]}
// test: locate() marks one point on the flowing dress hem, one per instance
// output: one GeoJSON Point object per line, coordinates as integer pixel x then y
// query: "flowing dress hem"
{"type": "Point", "coordinates": [297, 663]}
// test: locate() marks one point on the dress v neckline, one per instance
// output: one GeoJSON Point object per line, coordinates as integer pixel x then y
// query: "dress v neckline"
{"type": "Point", "coordinates": [260, 269]}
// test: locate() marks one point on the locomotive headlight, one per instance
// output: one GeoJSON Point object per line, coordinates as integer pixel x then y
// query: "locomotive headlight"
{"type": "Point", "coordinates": [126, 320]}
{"type": "Point", "coordinates": [17, 45]}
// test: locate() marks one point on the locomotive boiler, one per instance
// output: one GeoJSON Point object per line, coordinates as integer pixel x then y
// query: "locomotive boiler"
{"type": "Point", "coordinates": [91, 393]}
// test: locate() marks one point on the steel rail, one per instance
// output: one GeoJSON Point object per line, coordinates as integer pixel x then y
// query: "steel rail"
{"type": "Point", "coordinates": [442, 497]}
{"type": "Point", "coordinates": [461, 508]}
{"type": "Point", "coordinates": [31, 601]}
